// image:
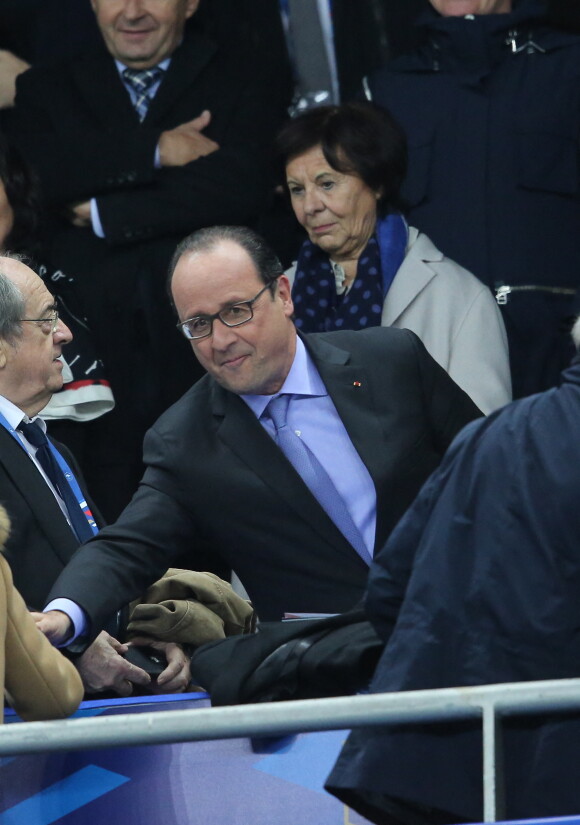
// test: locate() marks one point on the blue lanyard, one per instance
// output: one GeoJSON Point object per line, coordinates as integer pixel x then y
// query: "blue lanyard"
{"type": "Point", "coordinates": [69, 475]}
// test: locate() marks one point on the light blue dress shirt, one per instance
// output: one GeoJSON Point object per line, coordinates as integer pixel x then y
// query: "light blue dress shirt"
{"type": "Point", "coordinates": [313, 417]}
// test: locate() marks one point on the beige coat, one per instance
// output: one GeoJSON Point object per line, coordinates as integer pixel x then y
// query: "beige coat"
{"type": "Point", "coordinates": [38, 681]}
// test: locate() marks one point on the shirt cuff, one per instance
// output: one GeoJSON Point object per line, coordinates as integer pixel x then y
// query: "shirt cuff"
{"type": "Point", "coordinates": [96, 219]}
{"type": "Point", "coordinates": [157, 159]}
{"type": "Point", "coordinates": [75, 613]}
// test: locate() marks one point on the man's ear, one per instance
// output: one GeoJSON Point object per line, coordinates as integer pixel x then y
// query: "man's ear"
{"type": "Point", "coordinates": [285, 293]}
{"type": "Point", "coordinates": [3, 353]}
{"type": "Point", "coordinates": [191, 8]}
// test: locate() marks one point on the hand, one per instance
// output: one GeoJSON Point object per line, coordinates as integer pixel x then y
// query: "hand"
{"type": "Point", "coordinates": [102, 667]}
{"type": "Point", "coordinates": [56, 626]}
{"type": "Point", "coordinates": [10, 67]}
{"type": "Point", "coordinates": [176, 677]}
{"type": "Point", "coordinates": [80, 214]}
{"type": "Point", "coordinates": [185, 143]}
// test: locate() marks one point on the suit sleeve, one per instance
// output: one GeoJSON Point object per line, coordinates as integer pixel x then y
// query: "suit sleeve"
{"type": "Point", "coordinates": [39, 681]}
{"type": "Point", "coordinates": [230, 186]}
{"type": "Point", "coordinates": [74, 160]}
{"type": "Point", "coordinates": [127, 557]}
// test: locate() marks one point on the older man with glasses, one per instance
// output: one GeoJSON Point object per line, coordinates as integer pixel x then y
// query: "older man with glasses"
{"type": "Point", "coordinates": [40, 485]}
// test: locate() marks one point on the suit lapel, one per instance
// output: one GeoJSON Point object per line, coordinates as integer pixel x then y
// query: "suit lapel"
{"type": "Point", "coordinates": [188, 61]}
{"type": "Point", "coordinates": [28, 481]}
{"type": "Point", "coordinates": [102, 90]}
{"type": "Point", "coordinates": [246, 437]}
{"type": "Point", "coordinates": [350, 389]}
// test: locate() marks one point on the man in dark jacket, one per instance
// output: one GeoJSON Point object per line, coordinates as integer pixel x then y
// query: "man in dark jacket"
{"type": "Point", "coordinates": [491, 105]}
{"type": "Point", "coordinates": [47, 503]}
{"type": "Point", "coordinates": [479, 584]}
{"type": "Point", "coordinates": [369, 416]}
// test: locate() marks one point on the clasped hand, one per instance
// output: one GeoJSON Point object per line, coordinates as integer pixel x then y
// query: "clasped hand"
{"type": "Point", "coordinates": [103, 667]}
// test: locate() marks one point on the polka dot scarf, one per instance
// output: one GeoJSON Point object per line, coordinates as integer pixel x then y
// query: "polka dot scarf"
{"type": "Point", "coordinates": [318, 307]}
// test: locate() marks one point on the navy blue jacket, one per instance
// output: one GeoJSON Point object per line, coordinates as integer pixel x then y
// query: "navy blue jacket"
{"type": "Point", "coordinates": [479, 583]}
{"type": "Point", "coordinates": [491, 108]}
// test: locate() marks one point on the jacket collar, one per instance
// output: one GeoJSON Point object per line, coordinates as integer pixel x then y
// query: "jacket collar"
{"type": "Point", "coordinates": [472, 46]}
{"type": "Point", "coordinates": [413, 276]}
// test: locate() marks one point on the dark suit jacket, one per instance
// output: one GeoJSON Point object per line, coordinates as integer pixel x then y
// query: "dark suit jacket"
{"type": "Point", "coordinates": [77, 126]}
{"type": "Point", "coordinates": [41, 541]}
{"type": "Point", "coordinates": [215, 476]}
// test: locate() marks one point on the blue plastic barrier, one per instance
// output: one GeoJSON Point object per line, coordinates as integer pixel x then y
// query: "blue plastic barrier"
{"type": "Point", "coordinates": [227, 782]}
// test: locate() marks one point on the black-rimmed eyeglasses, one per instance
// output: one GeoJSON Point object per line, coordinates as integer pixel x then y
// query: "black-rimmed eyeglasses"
{"type": "Point", "coordinates": [48, 325]}
{"type": "Point", "coordinates": [233, 315]}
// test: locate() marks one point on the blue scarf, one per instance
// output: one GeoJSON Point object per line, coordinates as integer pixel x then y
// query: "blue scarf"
{"type": "Point", "coordinates": [318, 307]}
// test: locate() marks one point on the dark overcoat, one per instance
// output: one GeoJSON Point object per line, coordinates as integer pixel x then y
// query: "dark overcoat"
{"type": "Point", "coordinates": [491, 107]}
{"type": "Point", "coordinates": [479, 584]}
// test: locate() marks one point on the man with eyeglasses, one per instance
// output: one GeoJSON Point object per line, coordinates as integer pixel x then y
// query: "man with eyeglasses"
{"type": "Point", "coordinates": [40, 486]}
{"type": "Point", "coordinates": [292, 459]}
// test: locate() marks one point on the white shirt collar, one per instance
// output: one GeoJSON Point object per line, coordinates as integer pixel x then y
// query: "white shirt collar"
{"type": "Point", "coordinates": [164, 65]}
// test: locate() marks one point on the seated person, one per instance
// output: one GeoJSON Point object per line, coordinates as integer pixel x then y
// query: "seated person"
{"type": "Point", "coordinates": [40, 485]}
{"type": "Point", "coordinates": [292, 459]}
{"type": "Point", "coordinates": [363, 266]}
{"type": "Point", "coordinates": [39, 682]}
{"type": "Point", "coordinates": [479, 584]}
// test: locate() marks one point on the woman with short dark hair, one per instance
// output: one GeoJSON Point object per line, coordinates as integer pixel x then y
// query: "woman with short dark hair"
{"type": "Point", "coordinates": [362, 265]}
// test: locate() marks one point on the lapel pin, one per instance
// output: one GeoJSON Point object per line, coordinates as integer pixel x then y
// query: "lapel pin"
{"type": "Point", "coordinates": [356, 384]}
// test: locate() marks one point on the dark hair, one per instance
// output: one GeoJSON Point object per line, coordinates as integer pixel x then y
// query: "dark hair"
{"type": "Point", "coordinates": [204, 240]}
{"type": "Point", "coordinates": [22, 191]}
{"type": "Point", "coordinates": [358, 138]}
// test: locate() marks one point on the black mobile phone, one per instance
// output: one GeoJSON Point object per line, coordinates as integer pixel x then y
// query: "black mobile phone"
{"type": "Point", "coordinates": [148, 659]}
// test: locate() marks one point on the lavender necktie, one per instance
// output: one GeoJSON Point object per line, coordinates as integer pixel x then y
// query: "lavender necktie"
{"type": "Point", "coordinates": [314, 475]}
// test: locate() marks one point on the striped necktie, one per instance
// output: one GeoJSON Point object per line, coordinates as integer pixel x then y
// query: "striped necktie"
{"type": "Point", "coordinates": [33, 433]}
{"type": "Point", "coordinates": [141, 83]}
